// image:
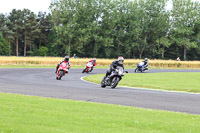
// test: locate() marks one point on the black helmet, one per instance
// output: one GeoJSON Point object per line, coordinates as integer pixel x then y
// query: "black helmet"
{"type": "Point", "coordinates": [66, 58]}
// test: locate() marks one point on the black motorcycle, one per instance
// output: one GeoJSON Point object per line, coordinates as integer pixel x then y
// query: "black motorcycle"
{"type": "Point", "coordinates": [114, 78]}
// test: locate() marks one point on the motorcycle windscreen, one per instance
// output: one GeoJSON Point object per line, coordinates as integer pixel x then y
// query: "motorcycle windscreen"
{"type": "Point", "coordinates": [121, 71]}
{"type": "Point", "coordinates": [140, 64]}
{"type": "Point", "coordinates": [89, 64]}
{"type": "Point", "coordinates": [64, 65]}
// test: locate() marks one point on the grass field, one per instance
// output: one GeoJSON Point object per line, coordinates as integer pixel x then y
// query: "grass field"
{"type": "Point", "coordinates": [188, 82]}
{"type": "Point", "coordinates": [53, 61]}
{"type": "Point", "coordinates": [29, 114]}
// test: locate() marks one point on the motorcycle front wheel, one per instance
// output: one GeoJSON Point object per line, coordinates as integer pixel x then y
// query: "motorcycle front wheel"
{"type": "Point", "coordinates": [83, 70]}
{"type": "Point", "coordinates": [103, 83]}
{"type": "Point", "coordinates": [60, 75]}
{"type": "Point", "coordinates": [114, 82]}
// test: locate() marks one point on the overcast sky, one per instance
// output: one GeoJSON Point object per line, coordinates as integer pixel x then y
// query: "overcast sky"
{"type": "Point", "coordinates": [6, 6]}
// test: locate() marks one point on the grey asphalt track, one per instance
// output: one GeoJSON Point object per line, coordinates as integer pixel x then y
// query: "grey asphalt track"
{"type": "Point", "coordinates": [42, 82]}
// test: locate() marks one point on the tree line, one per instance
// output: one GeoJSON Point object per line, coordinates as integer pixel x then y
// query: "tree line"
{"type": "Point", "coordinates": [105, 29]}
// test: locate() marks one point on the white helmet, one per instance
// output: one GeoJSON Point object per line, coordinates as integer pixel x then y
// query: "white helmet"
{"type": "Point", "coordinates": [93, 60]}
{"type": "Point", "coordinates": [120, 60]}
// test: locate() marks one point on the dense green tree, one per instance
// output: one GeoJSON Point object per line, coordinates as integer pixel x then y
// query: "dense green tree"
{"type": "Point", "coordinates": [16, 25]}
{"type": "Point", "coordinates": [6, 32]}
{"type": "Point", "coordinates": [45, 25]}
{"type": "Point", "coordinates": [150, 15]}
{"type": "Point", "coordinates": [184, 15]}
{"type": "Point", "coordinates": [163, 42]}
{"type": "Point", "coordinates": [4, 46]}
{"type": "Point", "coordinates": [65, 24]}
{"type": "Point", "coordinates": [34, 32]}
{"type": "Point", "coordinates": [27, 27]}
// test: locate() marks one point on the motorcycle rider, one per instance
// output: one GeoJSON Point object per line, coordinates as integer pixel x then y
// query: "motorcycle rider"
{"type": "Point", "coordinates": [146, 63]}
{"type": "Point", "coordinates": [94, 63]}
{"type": "Point", "coordinates": [65, 60]}
{"type": "Point", "coordinates": [114, 65]}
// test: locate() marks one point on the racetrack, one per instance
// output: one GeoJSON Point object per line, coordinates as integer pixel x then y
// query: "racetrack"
{"type": "Point", "coordinates": [42, 82]}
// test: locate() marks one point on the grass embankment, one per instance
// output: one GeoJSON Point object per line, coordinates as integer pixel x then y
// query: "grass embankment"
{"type": "Point", "coordinates": [188, 82]}
{"type": "Point", "coordinates": [21, 114]}
{"type": "Point", "coordinates": [53, 61]}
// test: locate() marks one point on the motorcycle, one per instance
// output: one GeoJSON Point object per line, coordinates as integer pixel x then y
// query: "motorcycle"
{"type": "Point", "coordinates": [88, 67]}
{"type": "Point", "coordinates": [140, 67]}
{"type": "Point", "coordinates": [114, 78]}
{"type": "Point", "coordinates": [62, 70]}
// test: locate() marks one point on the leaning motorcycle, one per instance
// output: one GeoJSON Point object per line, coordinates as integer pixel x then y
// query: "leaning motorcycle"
{"type": "Point", "coordinates": [62, 70]}
{"type": "Point", "coordinates": [114, 78]}
{"type": "Point", "coordinates": [140, 67]}
{"type": "Point", "coordinates": [88, 67]}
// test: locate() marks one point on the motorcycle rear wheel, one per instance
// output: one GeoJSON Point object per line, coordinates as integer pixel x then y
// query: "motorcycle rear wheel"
{"type": "Point", "coordinates": [114, 82]}
{"type": "Point", "coordinates": [136, 70]}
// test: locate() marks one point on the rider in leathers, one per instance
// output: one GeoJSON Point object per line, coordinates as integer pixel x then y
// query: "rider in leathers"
{"type": "Point", "coordinates": [114, 65]}
{"type": "Point", "coordinates": [66, 60]}
{"type": "Point", "coordinates": [146, 63]}
{"type": "Point", "coordinates": [94, 63]}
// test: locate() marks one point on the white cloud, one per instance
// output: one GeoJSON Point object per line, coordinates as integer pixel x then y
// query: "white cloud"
{"type": "Point", "coordinates": [6, 6]}
{"type": "Point", "coordinates": [169, 5]}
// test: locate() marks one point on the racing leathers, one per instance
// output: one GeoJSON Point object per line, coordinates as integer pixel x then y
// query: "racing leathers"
{"type": "Point", "coordinates": [113, 66]}
{"type": "Point", "coordinates": [146, 64]}
{"type": "Point", "coordinates": [67, 62]}
{"type": "Point", "coordinates": [93, 63]}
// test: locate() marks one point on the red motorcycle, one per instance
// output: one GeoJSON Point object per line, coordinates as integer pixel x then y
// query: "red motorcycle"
{"type": "Point", "coordinates": [88, 67]}
{"type": "Point", "coordinates": [62, 70]}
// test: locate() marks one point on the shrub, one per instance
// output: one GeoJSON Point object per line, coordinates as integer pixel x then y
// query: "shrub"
{"type": "Point", "coordinates": [43, 51]}
{"type": "Point", "coordinates": [30, 53]}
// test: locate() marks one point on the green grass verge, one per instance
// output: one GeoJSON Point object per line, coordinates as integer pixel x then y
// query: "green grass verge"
{"type": "Point", "coordinates": [29, 114]}
{"type": "Point", "coordinates": [188, 82]}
